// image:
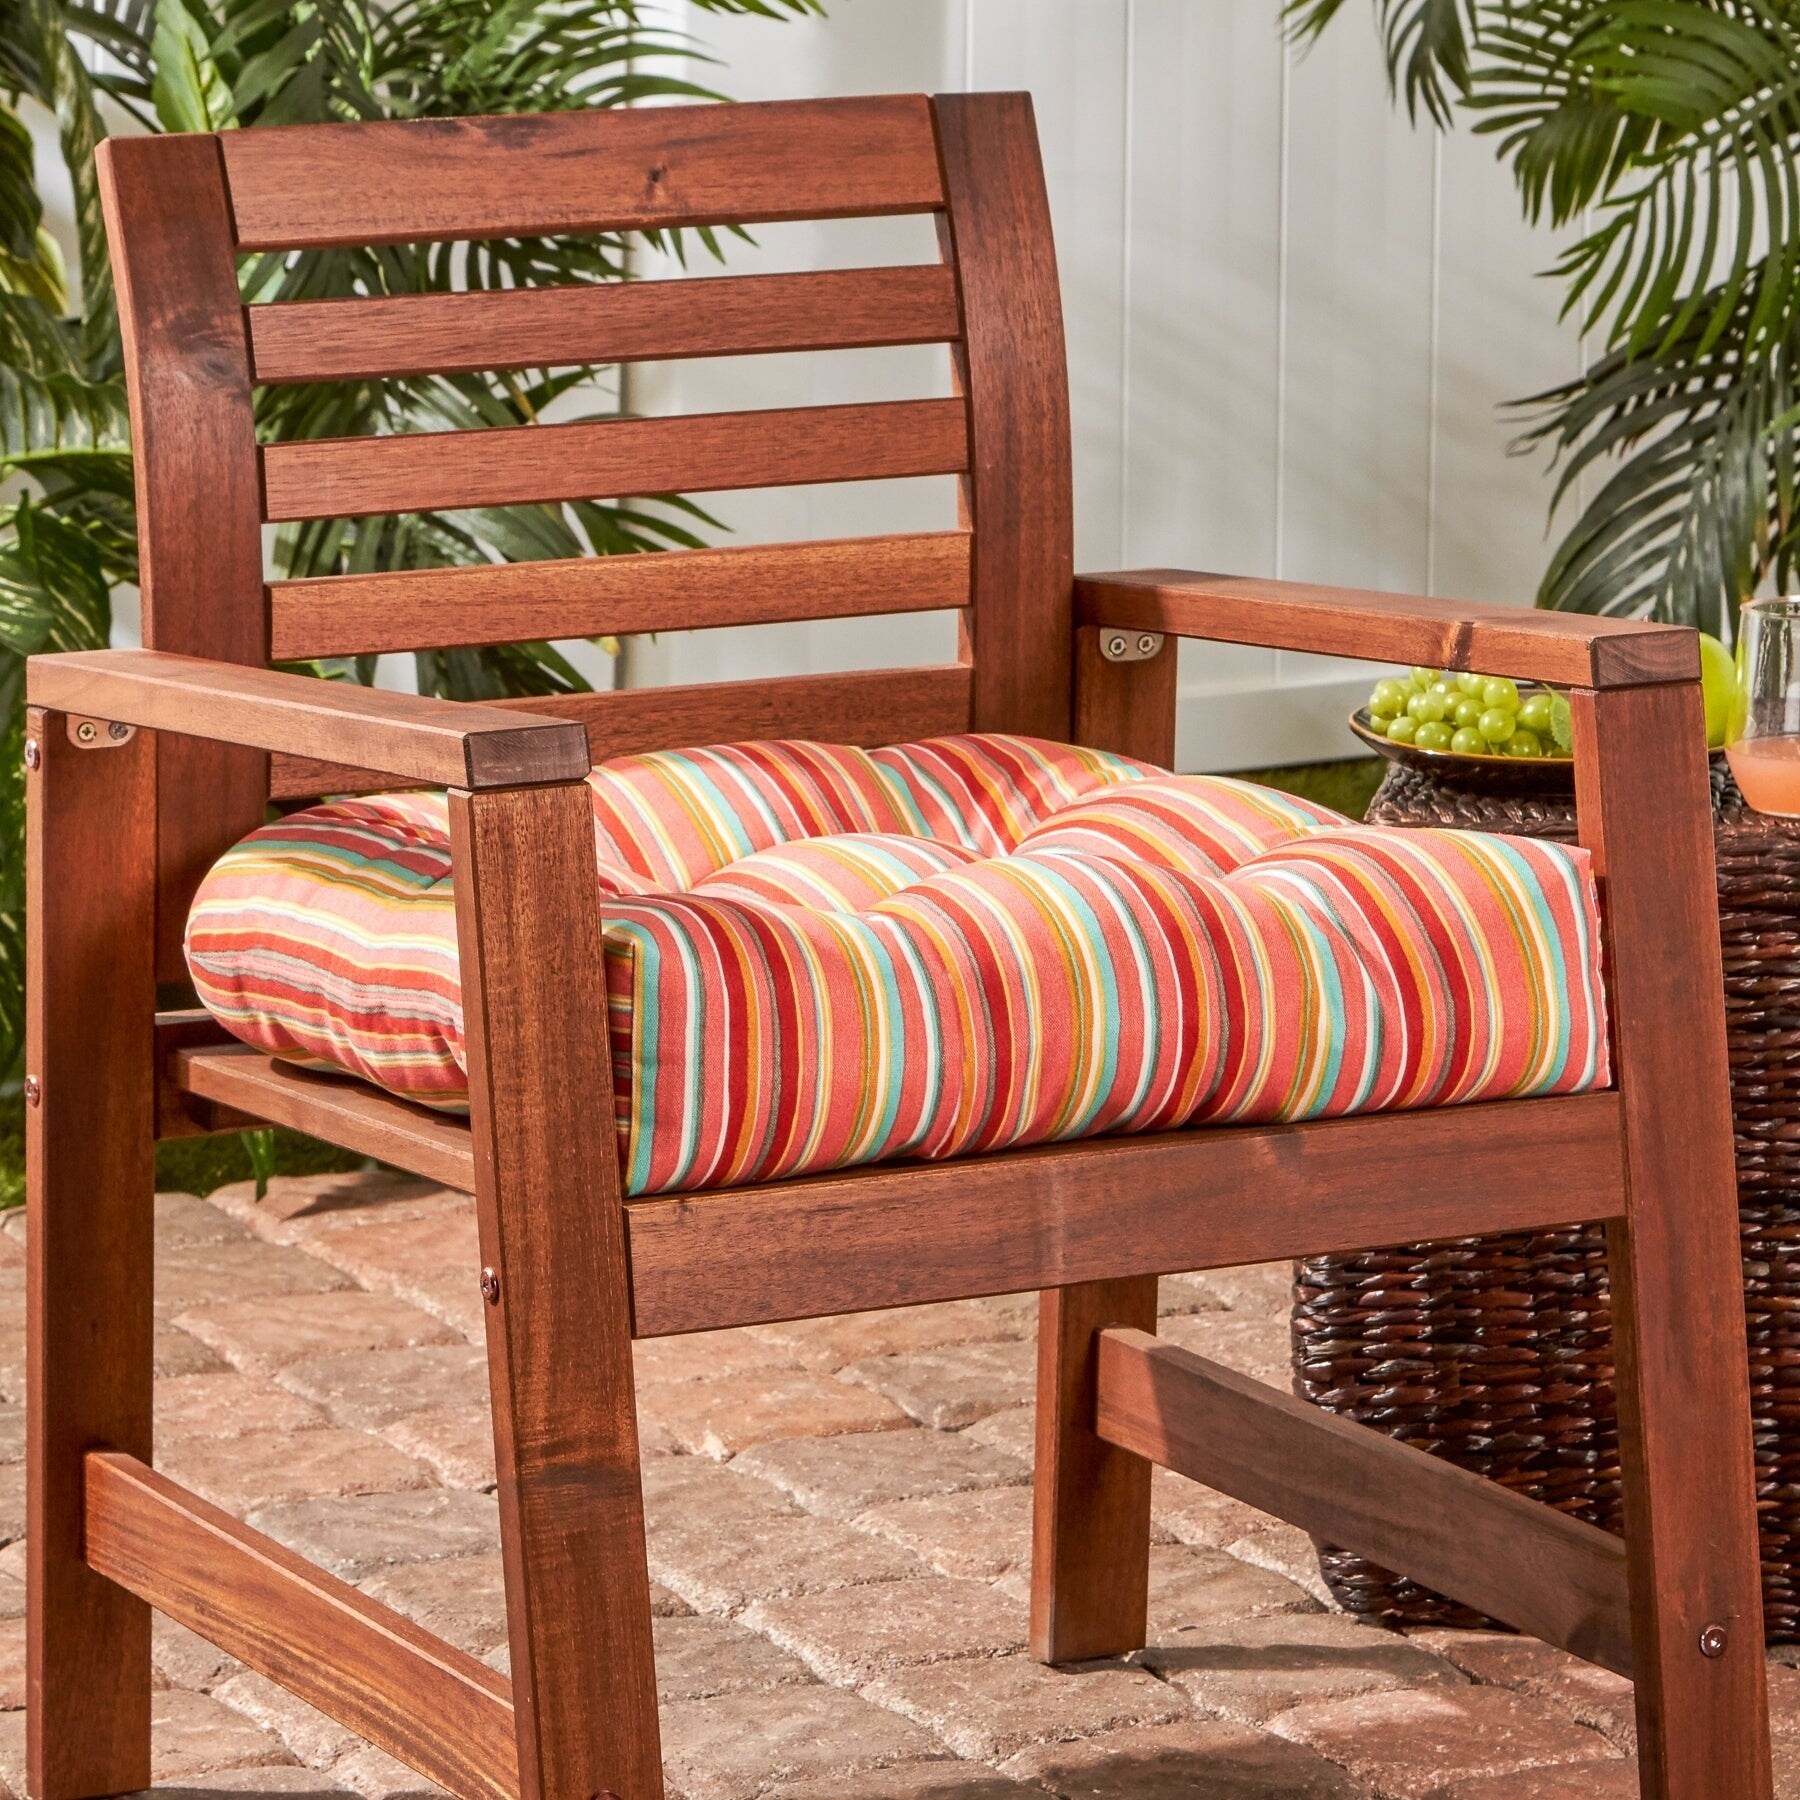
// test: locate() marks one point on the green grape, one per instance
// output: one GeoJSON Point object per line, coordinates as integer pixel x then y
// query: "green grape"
{"type": "Point", "coordinates": [1433, 736]}
{"type": "Point", "coordinates": [1497, 724]}
{"type": "Point", "coordinates": [1535, 712]}
{"type": "Point", "coordinates": [1497, 691]}
{"type": "Point", "coordinates": [1401, 730]}
{"type": "Point", "coordinates": [1524, 742]}
{"type": "Point", "coordinates": [1445, 686]}
{"type": "Point", "coordinates": [1389, 698]}
{"type": "Point", "coordinates": [1467, 713]}
{"type": "Point", "coordinates": [1470, 684]}
{"type": "Point", "coordinates": [1468, 742]}
{"type": "Point", "coordinates": [1422, 678]}
{"type": "Point", "coordinates": [1427, 708]}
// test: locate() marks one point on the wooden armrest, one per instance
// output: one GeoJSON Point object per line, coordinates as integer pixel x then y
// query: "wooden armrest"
{"type": "Point", "coordinates": [1573, 649]}
{"type": "Point", "coordinates": [443, 743]}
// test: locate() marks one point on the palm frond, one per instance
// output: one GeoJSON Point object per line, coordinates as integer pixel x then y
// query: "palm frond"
{"type": "Point", "coordinates": [1426, 43]}
{"type": "Point", "coordinates": [1673, 127]}
{"type": "Point", "coordinates": [47, 401]}
{"type": "Point", "coordinates": [30, 263]}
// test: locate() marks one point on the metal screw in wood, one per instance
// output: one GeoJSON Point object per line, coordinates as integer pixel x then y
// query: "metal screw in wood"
{"type": "Point", "coordinates": [1128, 646]}
{"type": "Point", "coordinates": [99, 734]}
{"type": "Point", "coordinates": [34, 1090]}
{"type": "Point", "coordinates": [490, 1286]}
{"type": "Point", "coordinates": [1713, 1641]}
{"type": "Point", "coordinates": [33, 753]}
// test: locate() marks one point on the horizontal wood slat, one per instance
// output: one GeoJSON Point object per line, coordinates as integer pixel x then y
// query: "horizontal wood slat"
{"type": "Point", "coordinates": [863, 706]}
{"type": "Point", "coordinates": [701, 452]}
{"type": "Point", "coordinates": [1576, 649]}
{"type": "Point", "coordinates": [439, 743]}
{"type": "Point", "coordinates": [897, 1235]}
{"type": "Point", "coordinates": [433, 179]}
{"type": "Point", "coordinates": [725, 315]}
{"type": "Point", "coordinates": [867, 706]}
{"type": "Point", "coordinates": [1554, 1577]}
{"type": "Point", "coordinates": [433, 1706]}
{"type": "Point", "coordinates": [344, 1112]}
{"type": "Point", "coordinates": [672, 590]}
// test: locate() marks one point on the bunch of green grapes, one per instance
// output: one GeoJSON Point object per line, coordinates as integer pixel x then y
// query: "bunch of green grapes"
{"type": "Point", "coordinates": [1474, 715]}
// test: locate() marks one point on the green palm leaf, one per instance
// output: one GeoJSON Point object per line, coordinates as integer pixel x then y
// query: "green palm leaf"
{"type": "Point", "coordinates": [1677, 122]}
{"type": "Point", "coordinates": [30, 263]}
{"type": "Point", "coordinates": [1426, 42]}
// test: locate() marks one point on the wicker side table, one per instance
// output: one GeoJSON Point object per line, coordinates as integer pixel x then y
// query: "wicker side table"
{"type": "Point", "coordinates": [1496, 1352]}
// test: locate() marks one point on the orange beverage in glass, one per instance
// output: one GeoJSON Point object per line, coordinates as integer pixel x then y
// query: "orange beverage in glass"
{"type": "Point", "coordinates": [1764, 747]}
{"type": "Point", "coordinates": [1767, 771]}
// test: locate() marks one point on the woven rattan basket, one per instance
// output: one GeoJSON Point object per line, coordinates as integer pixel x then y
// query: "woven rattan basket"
{"type": "Point", "coordinates": [1496, 1352]}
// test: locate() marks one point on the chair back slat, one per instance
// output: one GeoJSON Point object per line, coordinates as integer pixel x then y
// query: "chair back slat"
{"type": "Point", "coordinates": [516, 328]}
{"type": "Point", "coordinates": [430, 180]}
{"type": "Point", "coordinates": [863, 706]}
{"type": "Point", "coordinates": [331, 478]}
{"type": "Point", "coordinates": [605, 596]}
{"type": "Point", "coordinates": [182, 209]}
{"type": "Point", "coordinates": [1015, 374]}
{"type": "Point", "coordinates": [168, 218]}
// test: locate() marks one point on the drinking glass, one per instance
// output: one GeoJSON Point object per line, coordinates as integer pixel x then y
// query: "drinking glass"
{"type": "Point", "coordinates": [1763, 744]}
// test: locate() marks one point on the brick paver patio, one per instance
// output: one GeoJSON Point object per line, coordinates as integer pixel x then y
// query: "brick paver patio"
{"type": "Point", "coordinates": [839, 1532]}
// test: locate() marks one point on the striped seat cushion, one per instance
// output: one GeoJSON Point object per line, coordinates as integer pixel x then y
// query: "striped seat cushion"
{"type": "Point", "coordinates": [818, 956]}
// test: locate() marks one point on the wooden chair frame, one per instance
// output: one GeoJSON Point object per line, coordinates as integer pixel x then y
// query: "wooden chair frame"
{"type": "Point", "coordinates": [145, 765]}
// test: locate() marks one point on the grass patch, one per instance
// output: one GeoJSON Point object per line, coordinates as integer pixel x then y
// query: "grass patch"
{"type": "Point", "coordinates": [194, 1165]}
{"type": "Point", "coordinates": [197, 1165]}
{"type": "Point", "coordinates": [1345, 787]}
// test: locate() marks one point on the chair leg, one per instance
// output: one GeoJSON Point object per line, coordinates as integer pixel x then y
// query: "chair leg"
{"type": "Point", "coordinates": [1675, 1258]}
{"type": "Point", "coordinates": [1696, 1604]}
{"type": "Point", "coordinates": [559, 1314]}
{"type": "Point", "coordinates": [1090, 1543]}
{"type": "Point", "coordinates": [90, 1143]}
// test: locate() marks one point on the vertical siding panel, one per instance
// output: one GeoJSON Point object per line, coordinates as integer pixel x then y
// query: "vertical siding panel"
{"type": "Point", "coordinates": [1499, 339]}
{"type": "Point", "coordinates": [1070, 54]}
{"type": "Point", "coordinates": [1358, 301]}
{"type": "Point", "coordinates": [1205, 252]}
{"type": "Point", "coordinates": [1357, 334]}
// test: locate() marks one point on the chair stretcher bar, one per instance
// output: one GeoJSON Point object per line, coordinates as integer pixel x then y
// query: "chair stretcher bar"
{"type": "Point", "coordinates": [424, 1701]}
{"type": "Point", "coordinates": [1552, 1576]}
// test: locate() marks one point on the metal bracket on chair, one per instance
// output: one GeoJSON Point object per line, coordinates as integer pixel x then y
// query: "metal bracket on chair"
{"type": "Point", "coordinates": [99, 734]}
{"type": "Point", "coordinates": [1130, 646]}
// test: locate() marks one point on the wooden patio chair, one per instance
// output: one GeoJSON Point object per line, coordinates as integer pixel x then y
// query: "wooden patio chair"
{"type": "Point", "coordinates": [145, 766]}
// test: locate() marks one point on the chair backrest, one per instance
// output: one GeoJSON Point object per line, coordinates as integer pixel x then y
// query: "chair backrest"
{"type": "Point", "coordinates": [181, 210]}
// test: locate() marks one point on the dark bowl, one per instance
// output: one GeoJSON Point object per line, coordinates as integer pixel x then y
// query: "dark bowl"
{"type": "Point", "coordinates": [1479, 774]}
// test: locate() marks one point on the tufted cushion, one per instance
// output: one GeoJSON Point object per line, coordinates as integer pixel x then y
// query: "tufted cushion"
{"type": "Point", "coordinates": [819, 955]}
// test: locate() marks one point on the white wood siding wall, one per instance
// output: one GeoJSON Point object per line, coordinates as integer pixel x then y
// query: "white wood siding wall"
{"type": "Point", "coordinates": [1291, 320]}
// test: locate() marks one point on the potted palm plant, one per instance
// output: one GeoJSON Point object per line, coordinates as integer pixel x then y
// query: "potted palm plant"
{"type": "Point", "coordinates": [1667, 133]}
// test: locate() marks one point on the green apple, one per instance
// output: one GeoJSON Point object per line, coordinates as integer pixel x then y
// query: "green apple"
{"type": "Point", "coordinates": [1719, 684]}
